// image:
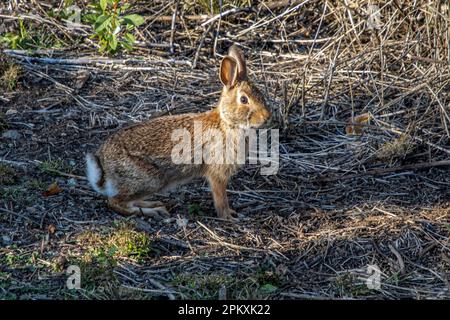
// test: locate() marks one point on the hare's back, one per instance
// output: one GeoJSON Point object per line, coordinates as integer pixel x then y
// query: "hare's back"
{"type": "Point", "coordinates": [152, 137]}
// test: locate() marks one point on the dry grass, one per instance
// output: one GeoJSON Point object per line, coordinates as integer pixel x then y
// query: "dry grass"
{"type": "Point", "coordinates": [339, 203]}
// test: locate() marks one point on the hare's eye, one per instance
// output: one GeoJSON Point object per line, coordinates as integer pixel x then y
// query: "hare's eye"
{"type": "Point", "coordinates": [244, 100]}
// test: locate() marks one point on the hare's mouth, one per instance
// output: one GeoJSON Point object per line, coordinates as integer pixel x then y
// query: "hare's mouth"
{"type": "Point", "coordinates": [253, 125]}
{"type": "Point", "coordinates": [262, 125]}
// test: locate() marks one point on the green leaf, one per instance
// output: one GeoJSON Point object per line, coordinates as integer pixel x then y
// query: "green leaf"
{"type": "Point", "coordinates": [101, 23]}
{"type": "Point", "coordinates": [103, 46]}
{"type": "Point", "coordinates": [269, 288]}
{"type": "Point", "coordinates": [95, 7]}
{"type": "Point", "coordinates": [113, 42]}
{"type": "Point", "coordinates": [117, 30]}
{"type": "Point", "coordinates": [129, 38]}
{"type": "Point", "coordinates": [126, 45]}
{"type": "Point", "coordinates": [103, 4]}
{"type": "Point", "coordinates": [133, 19]}
{"type": "Point", "coordinates": [90, 18]}
{"type": "Point", "coordinates": [9, 37]}
{"type": "Point", "coordinates": [112, 251]}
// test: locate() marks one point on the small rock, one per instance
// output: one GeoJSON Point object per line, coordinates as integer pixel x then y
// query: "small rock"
{"type": "Point", "coordinates": [31, 209]}
{"type": "Point", "coordinates": [182, 222]}
{"type": "Point", "coordinates": [223, 292]}
{"type": "Point", "coordinates": [82, 77]}
{"type": "Point", "coordinates": [6, 240]}
{"type": "Point", "coordinates": [10, 112]}
{"type": "Point", "coordinates": [11, 134]}
{"type": "Point", "coordinates": [61, 261]}
{"type": "Point", "coordinates": [169, 220]}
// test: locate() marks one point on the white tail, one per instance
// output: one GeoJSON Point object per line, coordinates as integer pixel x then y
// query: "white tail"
{"type": "Point", "coordinates": [94, 173]}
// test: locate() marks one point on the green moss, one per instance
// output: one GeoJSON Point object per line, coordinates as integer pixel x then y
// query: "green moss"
{"type": "Point", "coordinates": [194, 209]}
{"type": "Point", "coordinates": [207, 286]}
{"type": "Point", "coordinates": [14, 194]}
{"type": "Point", "coordinates": [204, 6]}
{"type": "Point", "coordinates": [37, 185]}
{"type": "Point", "coordinates": [10, 77]}
{"type": "Point", "coordinates": [8, 175]}
{"type": "Point", "coordinates": [193, 286]}
{"type": "Point", "coordinates": [123, 242]}
{"type": "Point", "coordinates": [54, 167]}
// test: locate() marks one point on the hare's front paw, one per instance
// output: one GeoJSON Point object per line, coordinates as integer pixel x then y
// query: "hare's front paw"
{"type": "Point", "coordinates": [228, 214]}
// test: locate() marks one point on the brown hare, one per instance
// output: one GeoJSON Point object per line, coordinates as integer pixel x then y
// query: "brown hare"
{"type": "Point", "coordinates": [137, 161]}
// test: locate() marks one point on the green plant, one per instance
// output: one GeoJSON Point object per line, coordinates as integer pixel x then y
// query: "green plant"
{"type": "Point", "coordinates": [130, 243]}
{"type": "Point", "coordinates": [111, 27]}
{"type": "Point", "coordinates": [35, 184]}
{"type": "Point", "coordinates": [194, 209]}
{"type": "Point", "coordinates": [13, 194]}
{"type": "Point", "coordinates": [214, 6]}
{"type": "Point", "coordinates": [9, 77]}
{"type": "Point", "coordinates": [63, 13]}
{"type": "Point", "coordinates": [30, 38]}
{"type": "Point", "coordinates": [105, 258]}
{"type": "Point", "coordinates": [8, 175]}
{"type": "Point", "coordinates": [201, 286]}
{"type": "Point", "coordinates": [54, 167]}
{"type": "Point", "coordinates": [268, 289]}
{"type": "Point", "coordinates": [123, 242]}
{"type": "Point", "coordinates": [10, 259]}
{"type": "Point", "coordinates": [19, 40]}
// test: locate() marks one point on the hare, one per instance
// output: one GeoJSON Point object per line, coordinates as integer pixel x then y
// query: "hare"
{"type": "Point", "coordinates": [136, 161]}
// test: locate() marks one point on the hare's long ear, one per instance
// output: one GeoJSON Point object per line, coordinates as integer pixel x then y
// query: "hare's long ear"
{"type": "Point", "coordinates": [237, 54]}
{"type": "Point", "coordinates": [228, 71]}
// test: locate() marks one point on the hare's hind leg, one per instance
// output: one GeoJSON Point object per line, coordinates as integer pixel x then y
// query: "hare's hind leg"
{"type": "Point", "coordinates": [121, 206]}
{"type": "Point", "coordinates": [154, 209]}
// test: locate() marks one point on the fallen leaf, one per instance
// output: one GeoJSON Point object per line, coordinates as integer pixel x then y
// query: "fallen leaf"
{"type": "Point", "coordinates": [269, 288]}
{"type": "Point", "coordinates": [61, 261]}
{"type": "Point", "coordinates": [374, 20]}
{"type": "Point", "coordinates": [51, 229]}
{"type": "Point", "coordinates": [82, 78]}
{"type": "Point", "coordinates": [281, 270]}
{"type": "Point", "coordinates": [52, 190]}
{"type": "Point", "coordinates": [355, 126]}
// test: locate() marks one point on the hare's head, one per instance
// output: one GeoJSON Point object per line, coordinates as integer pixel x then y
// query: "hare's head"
{"type": "Point", "coordinates": [241, 104]}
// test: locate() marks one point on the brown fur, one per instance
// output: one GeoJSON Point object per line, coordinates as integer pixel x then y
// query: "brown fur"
{"type": "Point", "coordinates": [138, 158]}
